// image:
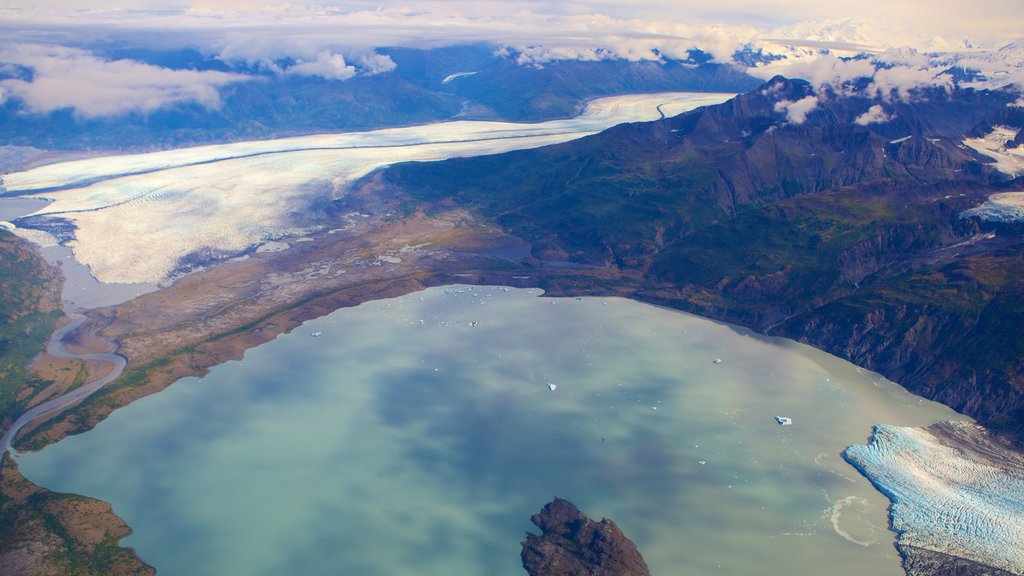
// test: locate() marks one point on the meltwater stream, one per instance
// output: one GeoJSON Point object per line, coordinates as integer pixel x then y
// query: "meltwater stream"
{"type": "Point", "coordinates": [416, 436]}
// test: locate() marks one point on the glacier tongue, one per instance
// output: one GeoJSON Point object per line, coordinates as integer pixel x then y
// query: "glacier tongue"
{"type": "Point", "coordinates": [148, 217]}
{"type": "Point", "coordinates": [953, 490]}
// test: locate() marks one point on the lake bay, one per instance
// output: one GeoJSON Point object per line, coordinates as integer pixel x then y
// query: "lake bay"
{"type": "Point", "coordinates": [417, 435]}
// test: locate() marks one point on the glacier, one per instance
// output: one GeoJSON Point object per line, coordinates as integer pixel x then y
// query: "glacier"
{"type": "Point", "coordinates": [141, 217]}
{"type": "Point", "coordinates": [1008, 160]}
{"type": "Point", "coordinates": [948, 495]}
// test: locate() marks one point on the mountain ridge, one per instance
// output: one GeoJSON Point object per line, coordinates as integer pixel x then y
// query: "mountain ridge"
{"type": "Point", "coordinates": [841, 235]}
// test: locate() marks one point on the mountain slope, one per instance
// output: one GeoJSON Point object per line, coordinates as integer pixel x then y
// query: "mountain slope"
{"type": "Point", "coordinates": [845, 235]}
{"type": "Point", "coordinates": [467, 81]}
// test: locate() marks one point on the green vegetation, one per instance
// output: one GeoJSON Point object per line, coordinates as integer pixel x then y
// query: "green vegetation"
{"type": "Point", "coordinates": [29, 310]}
{"type": "Point", "coordinates": [950, 331]}
{"type": "Point", "coordinates": [76, 535]}
{"type": "Point", "coordinates": [825, 232]}
{"type": "Point", "coordinates": [574, 198]}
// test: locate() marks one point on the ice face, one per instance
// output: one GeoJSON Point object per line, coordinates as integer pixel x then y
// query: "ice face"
{"type": "Point", "coordinates": [946, 498]}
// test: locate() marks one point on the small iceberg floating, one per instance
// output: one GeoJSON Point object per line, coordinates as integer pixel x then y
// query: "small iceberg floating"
{"type": "Point", "coordinates": [316, 334]}
{"type": "Point", "coordinates": [552, 386]}
{"type": "Point", "coordinates": [784, 420]}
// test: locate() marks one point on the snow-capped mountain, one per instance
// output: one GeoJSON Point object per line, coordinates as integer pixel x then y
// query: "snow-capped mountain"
{"type": "Point", "coordinates": [852, 35]}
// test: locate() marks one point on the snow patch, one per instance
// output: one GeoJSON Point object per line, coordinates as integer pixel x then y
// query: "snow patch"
{"type": "Point", "coordinates": [451, 77]}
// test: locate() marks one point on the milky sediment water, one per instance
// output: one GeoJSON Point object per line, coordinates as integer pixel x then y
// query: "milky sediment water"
{"type": "Point", "coordinates": [416, 436]}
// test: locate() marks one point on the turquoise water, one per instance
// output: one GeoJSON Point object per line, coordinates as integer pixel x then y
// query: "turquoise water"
{"type": "Point", "coordinates": [417, 436]}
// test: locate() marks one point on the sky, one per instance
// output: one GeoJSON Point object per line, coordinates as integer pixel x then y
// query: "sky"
{"type": "Point", "coordinates": [62, 41]}
{"type": "Point", "coordinates": [987, 22]}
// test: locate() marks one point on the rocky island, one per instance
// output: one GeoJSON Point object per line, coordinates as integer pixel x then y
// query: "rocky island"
{"type": "Point", "coordinates": [572, 544]}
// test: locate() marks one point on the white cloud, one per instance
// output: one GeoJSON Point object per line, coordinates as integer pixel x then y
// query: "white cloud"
{"type": "Point", "coordinates": [326, 65]}
{"type": "Point", "coordinates": [797, 110]}
{"type": "Point", "coordinates": [336, 39]}
{"type": "Point", "coordinates": [313, 55]}
{"type": "Point", "coordinates": [892, 75]}
{"type": "Point", "coordinates": [72, 78]}
{"type": "Point", "coordinates": [371, 64]}
{"type": "Point", "coordinates": [899, 81]}
{"type": "Point", "coordinates": [874, 115]}
{"type": "Point", "coordinates": [989, 22]}
{"type": "Point", "coordinates": [828, 70]}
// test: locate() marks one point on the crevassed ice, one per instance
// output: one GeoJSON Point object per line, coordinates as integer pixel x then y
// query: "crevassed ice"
{"type": "Point", "coordinates": [1002, 207]}
{"type": "Point", "coordinates": [1007, 160]}
{"type": "Point", "coordinates": [137, 216]}
{"type": "Point", "coordinates": [944, 501]}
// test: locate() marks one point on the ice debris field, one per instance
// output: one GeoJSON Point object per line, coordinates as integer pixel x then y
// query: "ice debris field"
{"type": "Point", "coordinates": [138, 218]}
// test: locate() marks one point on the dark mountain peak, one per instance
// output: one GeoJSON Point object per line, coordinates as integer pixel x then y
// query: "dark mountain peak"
{"type": "Point", "coordinates": [787, 87]}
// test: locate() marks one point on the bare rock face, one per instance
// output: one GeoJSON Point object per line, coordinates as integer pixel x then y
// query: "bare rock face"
{"type": "Point", "coordinates": [924, 562]}
{"type": "Point", "coordinates": [571, 544]}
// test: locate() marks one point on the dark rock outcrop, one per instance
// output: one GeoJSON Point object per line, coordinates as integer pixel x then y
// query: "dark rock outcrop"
{"type": "Point", "coordinates": [922, 562]}
{"type": "Point", "coordinates": [571, 544]}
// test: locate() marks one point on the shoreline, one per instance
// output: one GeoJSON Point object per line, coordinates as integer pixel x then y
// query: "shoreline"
{"type": "Point", "coordinates": [232, 345]}
{"type": "Point", "coordinates": [56, 405]}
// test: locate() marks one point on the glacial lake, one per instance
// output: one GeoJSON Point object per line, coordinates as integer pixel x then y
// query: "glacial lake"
{"type": "Point", "coordinates": [417, 435]}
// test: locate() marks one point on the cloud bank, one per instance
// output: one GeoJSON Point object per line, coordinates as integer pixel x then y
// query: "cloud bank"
{"type": "Point", "coordinates": [63, 77]}
{"type": "Point", "coordinates": [336, 41]}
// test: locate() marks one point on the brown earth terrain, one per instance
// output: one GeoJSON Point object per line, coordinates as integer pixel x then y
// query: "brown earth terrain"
{"type": "Point", "coordinates": [44, 533]}
{"type": "Point", "coordinates": [213, 316]}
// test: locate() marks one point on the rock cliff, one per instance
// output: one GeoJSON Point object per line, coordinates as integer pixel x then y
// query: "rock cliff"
{"type": "Point", "coordinates": [571, 544]}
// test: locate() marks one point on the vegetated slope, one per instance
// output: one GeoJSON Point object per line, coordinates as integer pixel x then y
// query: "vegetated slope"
{"type": "Point", "coordinates": [414, 92]}
{"type": "Point", "coordinates": [29, 308]}
{"type": "Point", "coordinates": [42, 532]}
{"type": "Point", "coordinates": [842, 235]}
{"type": "Point", "coordinates": [48, 534]}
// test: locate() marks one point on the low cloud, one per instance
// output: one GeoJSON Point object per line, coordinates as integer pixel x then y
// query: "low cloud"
{"type": "Point", "coordinates": [899, 82]}
{"type": "Point", "coordinates": [326, 65]}
{"type": "Point", "coordinates": [372, 64]}
{"type": "Point", "coordinates": [883, 76]}
{"type": "Point", "coordinates": [828, 70]}
{"type": "Point", "coordinates": [333, 66]}
{"type": "Point", "coordinates": [303, 55]}
{"type": "Point", "coordinates": [72, 78]}
{"type": "Point", "coordinates": [336, 41]}
{"type": "Point", "coordinates": [874, 115]}
{"type": "Point", "coordinates": [797, 110]}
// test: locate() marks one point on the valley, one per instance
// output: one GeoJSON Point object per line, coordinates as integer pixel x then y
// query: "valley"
{"type": "Point", "coordinates": [886, 231]}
